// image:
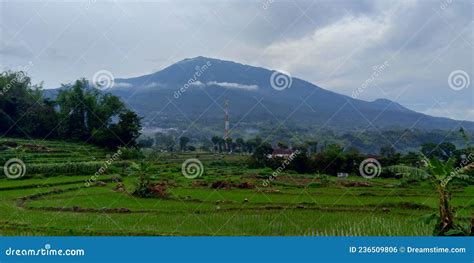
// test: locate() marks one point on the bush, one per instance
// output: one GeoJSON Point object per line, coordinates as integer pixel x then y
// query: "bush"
{"type": "Point", "coordinates": [146, 189]}
{"type": "Point", "coordinates": [130, 153]}
{"type": "Point", "coordinates": [323, 179]}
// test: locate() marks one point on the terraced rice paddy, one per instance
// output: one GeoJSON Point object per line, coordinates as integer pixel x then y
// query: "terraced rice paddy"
{"type": "Point", "coordinates": [57, 197]}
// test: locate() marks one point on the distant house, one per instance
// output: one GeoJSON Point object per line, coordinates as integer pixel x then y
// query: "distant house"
{"type": "Point", "coordinates": [281, 153]}
{"type": "Point", "coordinates": [342, 175]}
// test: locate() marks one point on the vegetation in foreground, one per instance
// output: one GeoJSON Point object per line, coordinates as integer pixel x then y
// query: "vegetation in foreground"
{"type": "Point", "coordinates": [227, 199]}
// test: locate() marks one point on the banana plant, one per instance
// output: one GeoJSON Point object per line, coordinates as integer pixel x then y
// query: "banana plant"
{"type": "Point", "coordinates": [441, 173]}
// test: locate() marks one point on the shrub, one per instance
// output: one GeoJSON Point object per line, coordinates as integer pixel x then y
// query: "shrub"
{"type": "Point", "coordinates": [130, 153]}
{"type": "Point", "coordinates": [144, 187]}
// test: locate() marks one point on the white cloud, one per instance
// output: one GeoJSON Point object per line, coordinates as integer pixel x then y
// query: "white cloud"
{"type": "Point", "coordinates": [197, 83]}
{"type": "Point", "coordinates": [231, 85]}
{"type": "Point", "coordinates": [152, 85]}
{"type": "Point", "coordinates": [324, 49]}
{"type": "Point", "coordinates": [339, 56]}
{"type": "Point", "coordinates": [420, 46]}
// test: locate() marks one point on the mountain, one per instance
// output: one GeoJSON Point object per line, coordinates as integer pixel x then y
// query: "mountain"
{"type": "Point", "coordinates": [178, 95]}
{"type": "Point", "coordinates": [191, 94]}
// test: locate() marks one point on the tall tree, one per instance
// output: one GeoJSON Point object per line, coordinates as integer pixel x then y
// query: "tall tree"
{"type": "Point", "coordinates": [128, 128]}
{"type": "Point", "coordinates": [183, 141]}
{"type": "Point", "coordinates": [239, 143]}
{"type": "Point", "coordinates": [228, 144]}
{"type": "Point", "coordinates": [23, 110]}
{"type": "Point", "coordinates": [215, 141]}
{"type": "Point", "coordinates": [282, 145]}
{"type": "Point", "coordinates": [72, 111]}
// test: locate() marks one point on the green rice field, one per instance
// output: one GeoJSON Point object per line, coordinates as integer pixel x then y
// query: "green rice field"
{"type": "Point", "coordinates": [58, 195]}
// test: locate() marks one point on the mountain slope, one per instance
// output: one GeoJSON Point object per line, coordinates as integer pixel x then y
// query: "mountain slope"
{"type": "Point", "coordinates": [176, 97]}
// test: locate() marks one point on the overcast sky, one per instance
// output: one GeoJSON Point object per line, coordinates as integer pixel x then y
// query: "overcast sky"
{"type": "Point", "coordinates": [338, 45]}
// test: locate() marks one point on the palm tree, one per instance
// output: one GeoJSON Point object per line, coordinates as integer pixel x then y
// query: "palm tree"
{"type": "Point", "coordinates": [240, 143]}
{"type": "Point", "coordinates": [228, 144]}
{"type": "Point", "coordinates": [441, 173]}
{"type": "Point", "coordinates": [215, 140]}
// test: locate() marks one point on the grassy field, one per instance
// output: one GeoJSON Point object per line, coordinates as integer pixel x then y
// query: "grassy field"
{"type": "Point", "coordinates": [54, 198]}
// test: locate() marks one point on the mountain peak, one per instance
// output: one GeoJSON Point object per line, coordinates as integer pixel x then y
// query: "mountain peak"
{"type": "Point", "coordinates": [194, 58]}
{"type": "Point", "coordinates": [199, 59]}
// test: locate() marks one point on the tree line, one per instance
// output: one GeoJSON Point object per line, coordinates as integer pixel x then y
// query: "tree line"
{"type": "Point", "coordinates": [313, 157]}
{"type": "Point", "coordinates": [78, 113]}
{"type": "Point", "coordinates": [334, 159]}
